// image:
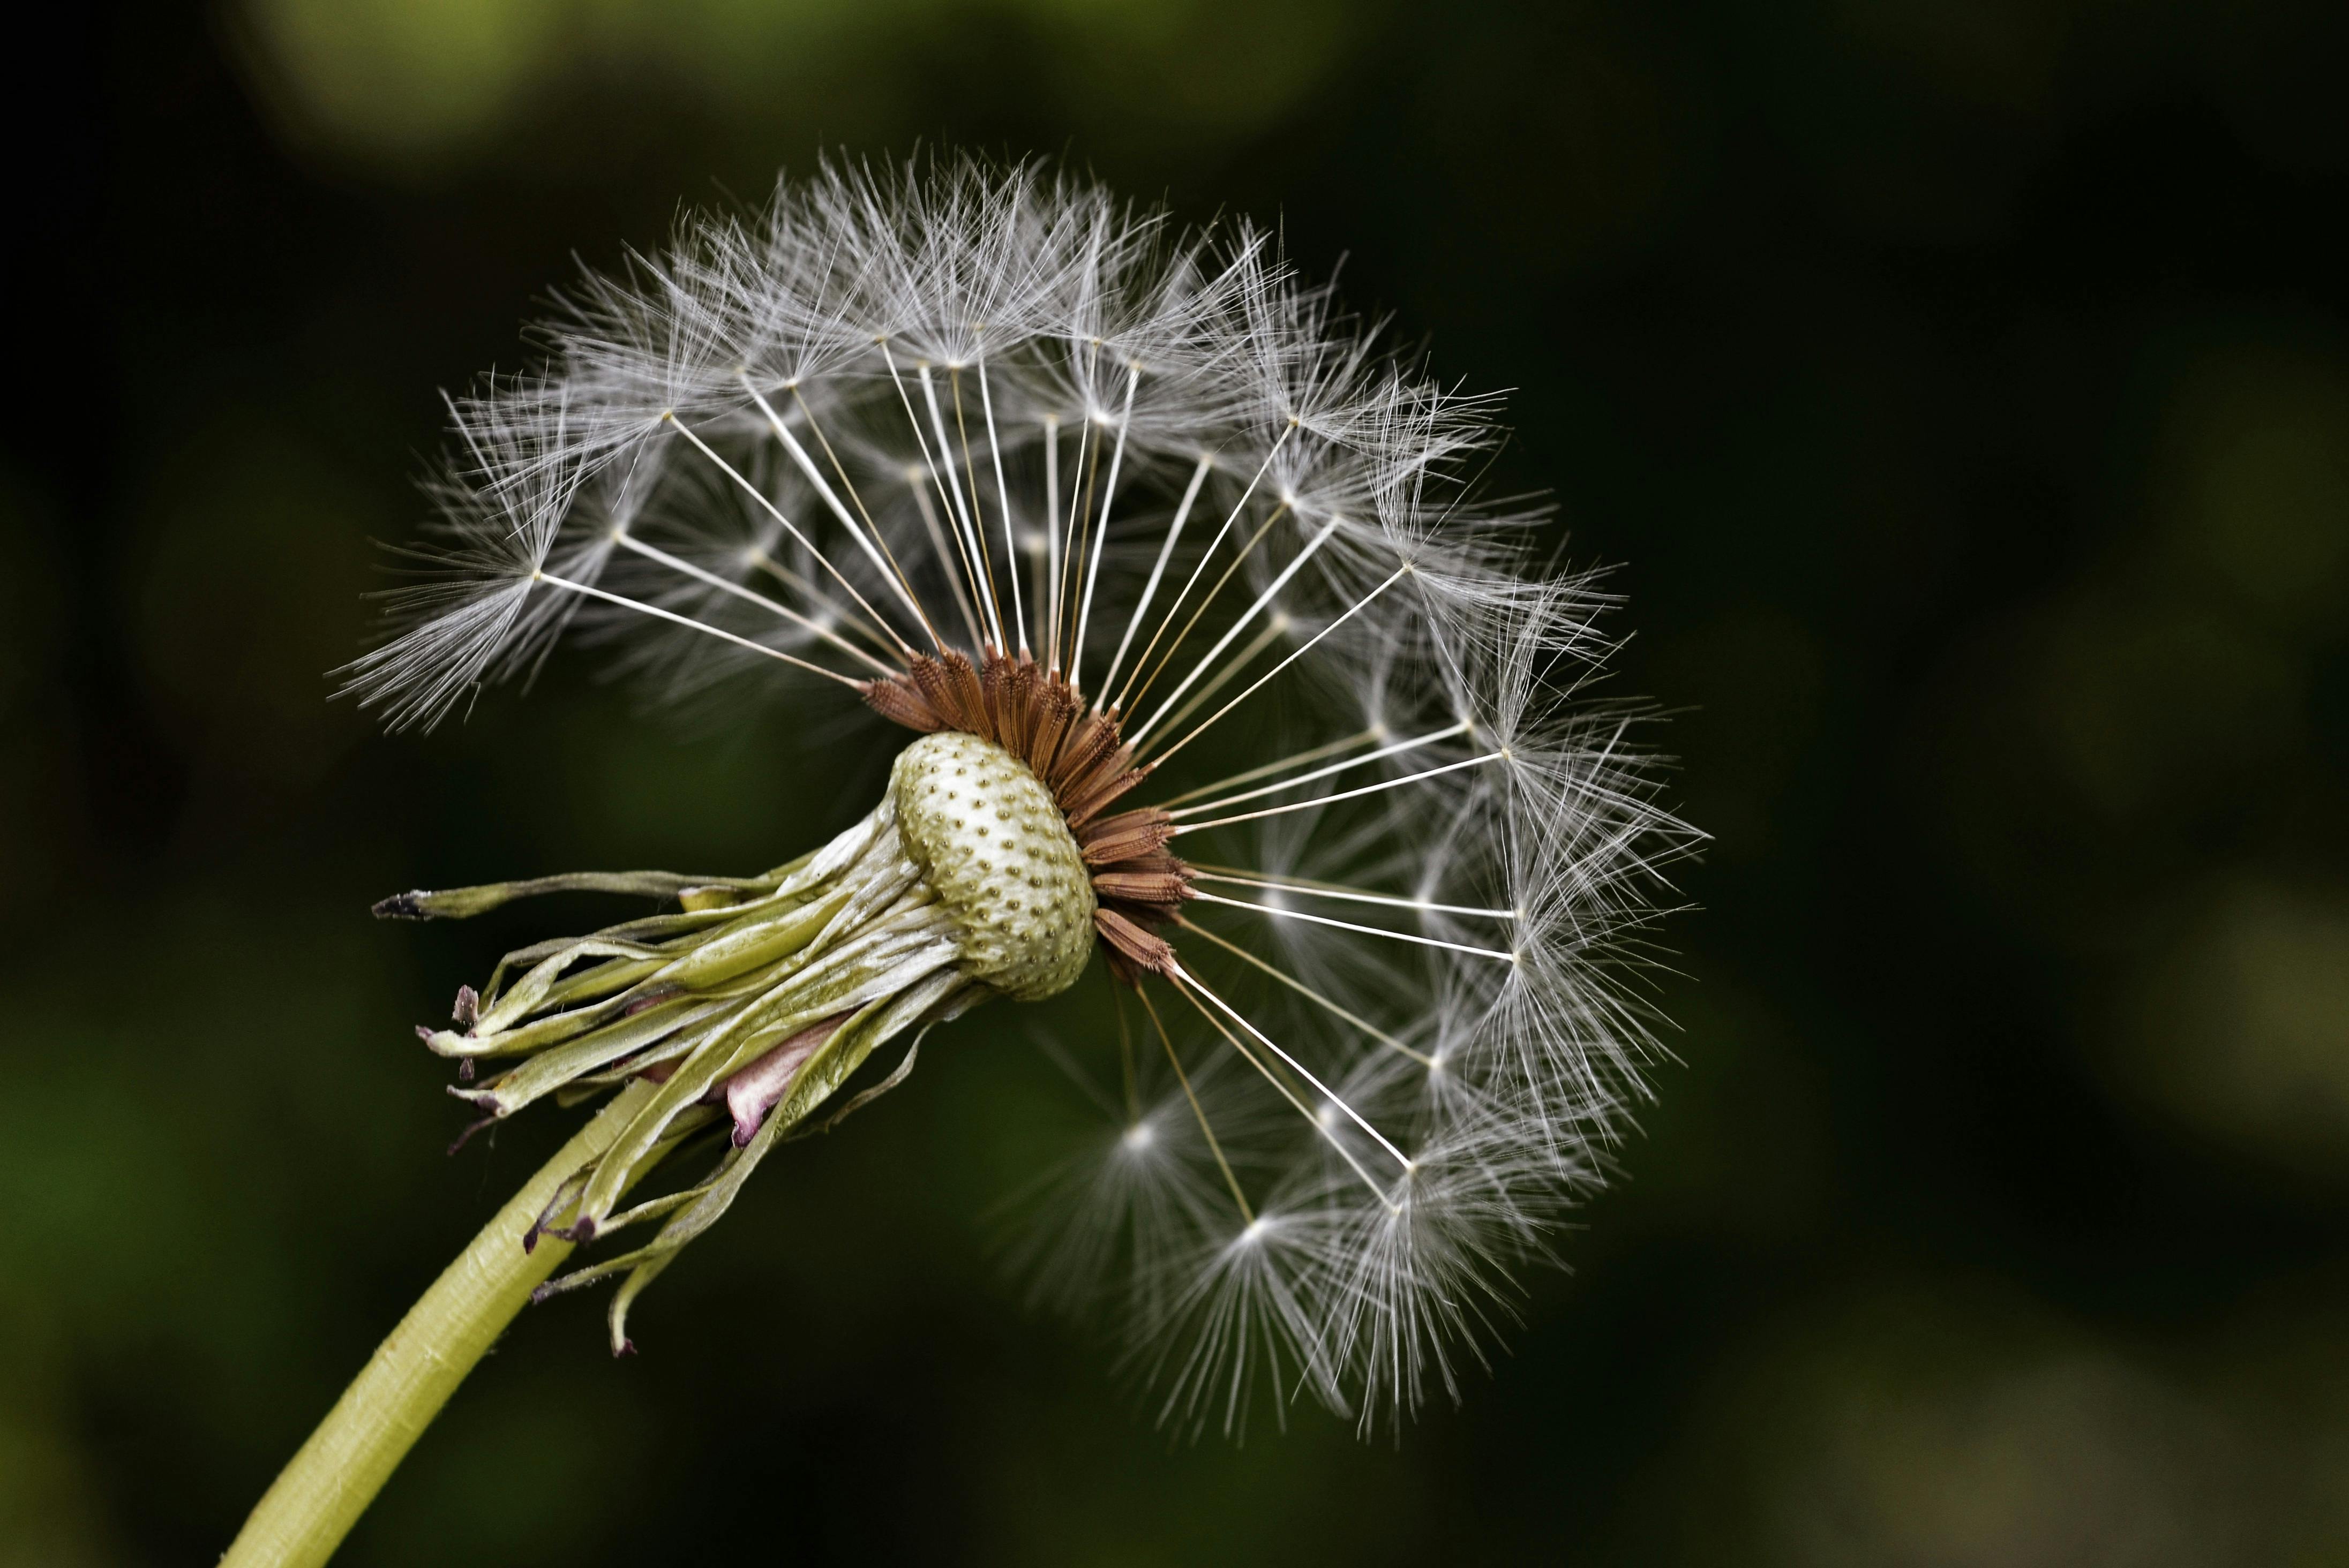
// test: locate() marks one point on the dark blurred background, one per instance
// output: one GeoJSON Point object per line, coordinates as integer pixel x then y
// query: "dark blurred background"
{"type": "Point", "coordinates": [1964, 385]}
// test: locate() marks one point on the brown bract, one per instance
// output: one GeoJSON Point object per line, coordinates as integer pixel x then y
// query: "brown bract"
{"type": "Point", "coordinates": [1080, 757]}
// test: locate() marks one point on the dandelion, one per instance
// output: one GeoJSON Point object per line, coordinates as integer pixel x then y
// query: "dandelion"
{"type": "Point", "coordinates": [1205, 675]}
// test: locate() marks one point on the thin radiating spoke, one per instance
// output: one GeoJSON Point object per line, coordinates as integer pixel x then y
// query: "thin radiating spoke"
{"type": "Point", "coordinates": [915, 488]}
{"type": "Point", "coordinates": [1157, 571]}
{"type": "Point", "coordinates": [1297, 761]}
{"type": "Point", "coordinates": [1125, 1052]}
{"type": "Point", "coordinates": [670, 616]}
{"type": "Point", "coordinates": [777, 513]}
{"type": "Point", "coordinates": [1353, 894]}
{"type": "Point", "coordinates": [1073, 547]}
{"type": "Point", "coordinates": [1258, 685]}
{"type": "Point", "coordinates": [1176, 604]}
{"type": "Point", "coordinates": [760, 560]}
{"type": "Point", "coordinates": [1280, 580]}
{"type": "Point", "coordinates": [1047, 598]}
{"type": "Point", "coordinates": [874, 547]}
{"type": "Point", "coordinates": [1412, 937]}
{"type": "Point", "coordinates": [1319, 800]}
{"type": "Point", "coordinates": [949, 483]}
{"type": "Point", "coordinates": [1204, 604]}
{"type": "Point", "coordinates": [1081, 500]}
{"type": "Point", "coordinates": [1295, 1065]}
{"type": "Point", "coordinates": [978, 512]}
{"type": "Point", "coordinates": [629, 542]}
{"type": "Point", "coordinates": [905, 400]}
{"type": "Point", "coordinates": [1101, 531]}
{"type": "Point", "coordinates": [1395, 748]}
{"type": "Point", "coordinates": [1302, 989]}
{"type": "Point", "coordinates": [1247, 1215]}
{"type": "Point", "coordinates": [1003, 497]}
{"type": "Point", "coordinates": [1276, 629]}
{"type": "Point", "coordinates": [840, 471]}
{"type": "Point", "coordinates": [1327, 1135]}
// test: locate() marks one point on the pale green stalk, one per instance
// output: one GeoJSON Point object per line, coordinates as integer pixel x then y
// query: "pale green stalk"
{"type": "Point", "coordinates": [327, 1485]}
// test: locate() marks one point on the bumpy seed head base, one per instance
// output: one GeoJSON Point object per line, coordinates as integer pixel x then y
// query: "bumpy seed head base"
{"type": "Point", "coordinates": [1086, 764]}
{"type": "Point", "coordinates": [994, 849]}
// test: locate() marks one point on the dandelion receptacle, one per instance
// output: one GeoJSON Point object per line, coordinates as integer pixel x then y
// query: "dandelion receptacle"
{"type": "Point", "coordinates": [1208, 680]}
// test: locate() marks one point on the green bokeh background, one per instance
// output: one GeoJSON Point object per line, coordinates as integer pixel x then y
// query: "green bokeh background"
{"type": "Point", "coordinates": [1964, 385]}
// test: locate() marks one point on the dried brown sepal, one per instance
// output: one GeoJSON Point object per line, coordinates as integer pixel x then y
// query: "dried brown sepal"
{"type": "Point", "coordinates": [1105, 788]}
{"type": "Point", "coordinates": [1127, 835]}
{"type": "Point", "coordinates": [1151, 954]}
{"type": "Point", "coordinates": [1079, 764]}
{"type": "Point", "coordinates": [1168, 887]}
{"type": "Point", "coordinates": [902, 704]}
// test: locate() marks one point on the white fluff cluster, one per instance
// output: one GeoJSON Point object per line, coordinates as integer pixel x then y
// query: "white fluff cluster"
{"type": "Point", "coordinates": [959, 406]}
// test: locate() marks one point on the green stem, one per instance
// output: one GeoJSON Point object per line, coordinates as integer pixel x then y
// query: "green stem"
{"type": "Point", "coordinates": [327, 1485]}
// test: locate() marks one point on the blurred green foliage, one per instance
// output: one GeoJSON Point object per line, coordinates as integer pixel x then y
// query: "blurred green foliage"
{"type": "Point", "coordinates": [1963, 383]}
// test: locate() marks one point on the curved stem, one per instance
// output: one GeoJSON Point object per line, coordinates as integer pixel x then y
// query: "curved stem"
{"type": "Point", "coordinates": [325, 1487]}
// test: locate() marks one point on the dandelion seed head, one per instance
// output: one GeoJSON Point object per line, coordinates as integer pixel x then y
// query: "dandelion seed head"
{"type": "Point", "coordinates": [1303, 732]}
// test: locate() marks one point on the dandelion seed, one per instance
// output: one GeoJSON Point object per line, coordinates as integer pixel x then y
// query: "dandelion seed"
{"type": "Point", "coordinates": [1148, 546]}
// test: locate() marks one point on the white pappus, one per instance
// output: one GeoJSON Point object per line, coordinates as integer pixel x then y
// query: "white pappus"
{"type": "Point", "coordinates": [1221, 673]}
